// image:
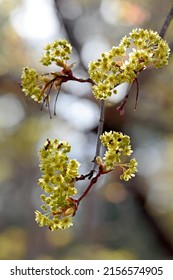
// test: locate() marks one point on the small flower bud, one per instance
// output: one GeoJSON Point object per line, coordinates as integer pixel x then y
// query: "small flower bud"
{"type": "Point", "coordinates": [99, 161]}
{"type": "Point", "coordinates": [70, 212]}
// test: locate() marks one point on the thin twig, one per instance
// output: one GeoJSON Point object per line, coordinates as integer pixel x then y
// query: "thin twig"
{"type": "Point", "coordinates": [123, 103]}
{"type": "Point", "coordinates": [99, 132]}
{"type": "Point", "coordinates": [83, 177]}
{"type": "Point", "coordinates": [46, 98]}
{"type": "Point", "coordinates": [92, 182]}
{"type": "Point", "coordinates": [56, 98]}
{"type": "Point", "coordinates": [100, 127]}
{"type": "Point", "coordinates": [71, 77]}
{"type": "Point", "coordinates": [166, 23]}
{"type": "Point", "coordinates": [137, 93]}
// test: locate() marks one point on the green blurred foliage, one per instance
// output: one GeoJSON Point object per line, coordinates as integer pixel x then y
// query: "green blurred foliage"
{"type": "Point", "coordinates": [13, 242]}
{"type": "Point", "coordinates": [116, 221]}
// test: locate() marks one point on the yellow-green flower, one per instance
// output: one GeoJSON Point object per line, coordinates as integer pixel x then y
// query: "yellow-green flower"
{"type": "Point", "coordinates": [118, 146]}
{"type": "Point", "coordinates": [32, 84]}
{"type": "Point", "coordinates": [38, 86]}
{"type": "Point", "coordinates": [58, 52]}
{"type": "Point", "coordinates": [123, 63]}
{"type": "Point", "coordinates": [58, 183]}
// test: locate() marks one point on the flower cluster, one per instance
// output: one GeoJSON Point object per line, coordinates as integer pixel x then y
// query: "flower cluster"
{"type": "Point", "coordinates": [58, 179]}
{"type": "Point", "coordinates": [58, 52]}
{"type": "Point", "coordinates": [118, 145]}
{"type": "Point", "coordinates": [124, 62]}
{"type": "Point", "coordinates": [34, 84]}
{"type": "Point", "coordinates": [38, 86]}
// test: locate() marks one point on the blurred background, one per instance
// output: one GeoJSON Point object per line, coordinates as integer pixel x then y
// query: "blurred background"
{"type": "Point", "coordinates": [117, 220]}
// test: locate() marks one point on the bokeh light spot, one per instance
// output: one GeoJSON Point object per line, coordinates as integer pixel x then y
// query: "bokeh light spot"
{"type": "Point", "coordinates": [11, 111]}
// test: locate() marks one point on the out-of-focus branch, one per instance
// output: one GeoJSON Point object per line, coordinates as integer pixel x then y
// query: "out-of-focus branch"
{"type": "Point", "coordinates": [99, 132]}
{"type": "Point", "coordinates": [68, 31]}
{"type": "Point", "coordinates": [166, 23]}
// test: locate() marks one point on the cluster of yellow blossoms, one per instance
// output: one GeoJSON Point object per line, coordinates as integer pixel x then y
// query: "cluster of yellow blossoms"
{"type": "Point", "coordinates": [33, 84]}
{"type": "Point", "coordinates": [123, 63]}
{"type": "Point", "coordinates": [37, 85]}
{"type": "Point", "coordinates": [58, 52]}
{"type": "Point", "coordinates": [60, 173]}
{"type": "Point", "coordinates": [118, 145]}
{"type": "Point", "coordinates": [58, 179]}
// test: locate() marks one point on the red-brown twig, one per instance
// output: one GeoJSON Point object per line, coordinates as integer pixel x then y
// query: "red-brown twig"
{"type": "Point", "coordinates": [92, 182]}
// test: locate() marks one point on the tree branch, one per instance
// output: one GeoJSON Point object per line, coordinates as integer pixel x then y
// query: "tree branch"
{"type": "Point", "coordinates": [92, 182]}
{"type": "Point", "coordinates": [99, 132]}
{"type": "Point", "coordinates": [166, 23]}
